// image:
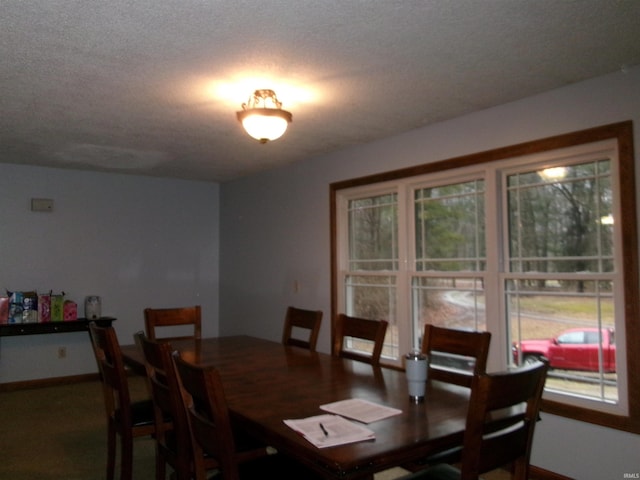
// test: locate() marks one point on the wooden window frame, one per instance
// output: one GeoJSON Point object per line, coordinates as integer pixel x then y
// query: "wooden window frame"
{"type": "Point", "coordinates": [622, 133]}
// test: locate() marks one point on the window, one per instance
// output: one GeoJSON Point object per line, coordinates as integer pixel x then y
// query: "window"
{"type": "Point", "coordinates": [371, 290]}
{"type": "Point", "coordinates": [536, 243]}
{"type": "Point", "coordinates": [562, 272]}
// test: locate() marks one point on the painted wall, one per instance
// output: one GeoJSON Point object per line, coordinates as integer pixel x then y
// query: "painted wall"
{"type": "Point", "coordinates": [135, 241]}
{"type": "Point", "coordinates": [275, 248]}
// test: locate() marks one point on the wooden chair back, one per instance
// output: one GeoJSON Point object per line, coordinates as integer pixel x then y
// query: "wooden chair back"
{"type": "Point", "coordinates": [439, 344]}
{"type": "Point", "coordinates": [208, 417]}
{"type": "Point", "coordinates": [503, 411]}
{"type": "Point", "coordinates": [298, 318]}
{"type": "Point", "coordinates": [112, 372]}
{"type": "Point", "coordinates": [173, 439]}
{"type": "Point", "coordinates": [124, 418]}
{"type": "Point", "coordinates": [493, 439]}
{"type": "Point", "coordinates": [156, 318]}
{"type": "Point", "coordinates": [359, 329]}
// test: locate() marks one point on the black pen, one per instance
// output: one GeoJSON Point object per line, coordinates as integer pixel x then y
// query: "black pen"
{"type": "Point", "coordinates": [324, 430]}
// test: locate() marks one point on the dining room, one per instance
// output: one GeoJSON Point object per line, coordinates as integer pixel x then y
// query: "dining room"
{"type": "Point", "coordinates": [124, 258]}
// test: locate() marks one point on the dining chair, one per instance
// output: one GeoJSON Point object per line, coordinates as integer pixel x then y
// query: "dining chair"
{"type": "Point", "coordinates": [298, 318]}
{"type": "Point", "coordinates": [209, 421]}
{"type": "Point", "coordinates": [361, 330]}
{"type": "Point", "coordinates": [172, 436]}
{"type": "Point", "coordinates": [503, 412]}
{"type": "Point", "coordinates": [156, 319]}
{"type": "Point", "coordinates": [125, 418]}
{"type": "Point", "coordinates": [450, 352]}
{"type": "Point", "coordinates": [214, 437]}
{"type": "Point", "coordinates": [453, 356]}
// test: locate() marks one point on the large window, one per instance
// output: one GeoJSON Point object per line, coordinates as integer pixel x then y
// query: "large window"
{"type": "Point", "coordinates": [535, 243]}
{"type": "Point", "coordinates": [563, 275]}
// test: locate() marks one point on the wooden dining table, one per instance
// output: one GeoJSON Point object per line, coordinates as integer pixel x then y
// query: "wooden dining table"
{"type": "Point", "coordinates": [266, 382]}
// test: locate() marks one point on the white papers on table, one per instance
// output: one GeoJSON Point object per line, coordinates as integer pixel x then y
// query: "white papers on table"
{"type": "Point", "coordinates": [330, 430]}
{"type": "Point", "coordinates": [361, 410]}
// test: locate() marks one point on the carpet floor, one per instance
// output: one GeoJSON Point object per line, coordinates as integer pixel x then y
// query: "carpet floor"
{"type": "Point", "coordinates": [59, 433]}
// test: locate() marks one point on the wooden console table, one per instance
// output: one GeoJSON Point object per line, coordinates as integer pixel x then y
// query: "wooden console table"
{"type": "Point", "coordinates": [16, 329]}
{"type": "Point", "coordinates": [79, 325]}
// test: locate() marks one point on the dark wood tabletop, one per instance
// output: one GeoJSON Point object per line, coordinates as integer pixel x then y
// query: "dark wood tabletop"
{"type": "Point", "coordinates": [266, 383]}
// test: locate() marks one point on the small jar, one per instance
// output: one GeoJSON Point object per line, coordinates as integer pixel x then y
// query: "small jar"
{"type": "Point", "coordinates": [92, 307]}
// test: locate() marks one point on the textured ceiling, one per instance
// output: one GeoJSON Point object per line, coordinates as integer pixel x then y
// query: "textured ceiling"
{"type": "Point", "coordinates": [152, 86]}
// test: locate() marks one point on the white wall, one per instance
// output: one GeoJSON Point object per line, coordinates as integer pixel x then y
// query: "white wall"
{"type": "Point", "coordinates": [135, 241]}
{"type": "Point", "coordinates": [276, 232]}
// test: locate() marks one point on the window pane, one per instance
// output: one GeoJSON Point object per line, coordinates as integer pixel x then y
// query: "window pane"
{"type": "Point", "coordinates": [571, 324]}
{"type": "Point", "coordinates": [449, 225]}
{"type": "Point", "coordinates": [447, 302]}
{"type": "Point", "coordinates": [374, 297]}
{"type": "Point", "coordinates": [373, 226]}
{"type": "Point", "coordinates": [560, 219]}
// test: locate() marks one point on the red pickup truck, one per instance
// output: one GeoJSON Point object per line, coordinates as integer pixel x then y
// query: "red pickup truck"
{"type": "Point", "coordinates": [574, 349]}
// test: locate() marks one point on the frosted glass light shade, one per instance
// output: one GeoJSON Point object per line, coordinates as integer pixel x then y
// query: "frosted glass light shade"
{"type": "Point", "coordinates": [262, 116]}
{"type": "Point", "coordinates": [265, 124]}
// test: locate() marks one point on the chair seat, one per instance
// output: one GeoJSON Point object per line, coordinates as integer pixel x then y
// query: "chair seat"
{"type": "Point", "coordinates": [450, 456]}
{"type": "Point", "coordinates": [141, 413]}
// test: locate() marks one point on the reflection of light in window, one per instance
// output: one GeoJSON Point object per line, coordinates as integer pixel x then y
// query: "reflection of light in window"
{"type": "Point", "coordinates": [553, 173]}
{"type": "Point", "coordinates": [607, 220]}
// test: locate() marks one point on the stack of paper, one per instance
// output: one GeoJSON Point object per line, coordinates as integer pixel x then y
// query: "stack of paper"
{"type": "Point", "coordinates": [361, 410]}
{"type": "Point", "coordinates": [329, 430]}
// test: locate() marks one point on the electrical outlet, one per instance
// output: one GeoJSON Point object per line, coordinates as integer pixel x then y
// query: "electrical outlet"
{"type": "Point", "coordinates": [62, 352]}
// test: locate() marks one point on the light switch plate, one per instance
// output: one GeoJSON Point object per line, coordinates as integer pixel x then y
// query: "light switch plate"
{"type": "Point", "coordinates": [42, 205]}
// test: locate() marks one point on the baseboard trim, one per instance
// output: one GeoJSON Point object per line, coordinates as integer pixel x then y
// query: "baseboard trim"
{"type": "Point", "coordinates": [48, 382]}
{"type": "Point", "coordinates": [538, 473]}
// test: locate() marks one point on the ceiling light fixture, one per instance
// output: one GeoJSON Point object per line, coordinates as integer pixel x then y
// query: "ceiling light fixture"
{"type": "Point", "coordinates": [554, 173]}
{"type": "Point", "coordinates": [262, 116]}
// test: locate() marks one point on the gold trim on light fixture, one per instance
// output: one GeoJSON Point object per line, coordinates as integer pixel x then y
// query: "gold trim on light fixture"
{"type": "Point", "coordinates": [262, 116]}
